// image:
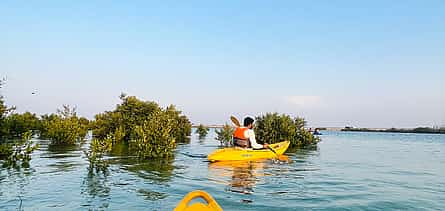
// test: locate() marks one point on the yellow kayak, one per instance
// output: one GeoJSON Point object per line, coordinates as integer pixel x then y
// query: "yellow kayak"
{"type": "Point", "coordinates": [210, 205]}
{"type": "Point", "coordinates": [237, 153]}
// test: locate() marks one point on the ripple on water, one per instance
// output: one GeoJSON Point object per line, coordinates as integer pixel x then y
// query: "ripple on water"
{"type": "Point", "coordinates": [151, 195]}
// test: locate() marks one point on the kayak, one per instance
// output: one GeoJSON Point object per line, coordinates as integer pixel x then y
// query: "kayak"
{"type": "Point", "coordinates": [238, 153]}
{"type": "Point", "coordinates": [209, 205]}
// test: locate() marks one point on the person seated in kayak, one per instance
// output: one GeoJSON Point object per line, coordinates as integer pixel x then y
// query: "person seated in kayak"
{"type": "Point", "coordinates": [316, 132]}
{"type": "Point", "coordinates": [245, 136]}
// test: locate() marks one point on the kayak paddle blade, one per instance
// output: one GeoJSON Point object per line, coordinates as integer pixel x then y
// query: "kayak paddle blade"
{"type": "Point", "coordinates": [235, 121]}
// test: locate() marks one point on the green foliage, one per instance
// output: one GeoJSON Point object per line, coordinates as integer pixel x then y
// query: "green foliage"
{"type": "Point", "coordinates": [18, 124]}
{"type": "Point", "coordinates": [63, 128]}
{"type": "Point", "coordinates": [183, 127]}
{"type": "Point", "coordinates": [154, 138]}
{"type": "Point", "coordinates": [86, 123]}
{"type": "Point", "coordinates": [202, 131]}
{"type": "Point", "coordinates": [18, 153]}
{"type": "Point", "coordinates": [149, 130]}
{"type": "Point", "coordinates": [5, 150]}
{"type": "Point", "coordinates": [224, 135]}
{"type": "Point", "coordinates": [44, 120]}
{"type": "Point", "coordinates": [15, 152]}
{"type": "Point", "coordinates": [98, 148]}
{"type": "Point", "coordinates": [273, 128]}
{"type": "Point", "coordinates": [129, 113]}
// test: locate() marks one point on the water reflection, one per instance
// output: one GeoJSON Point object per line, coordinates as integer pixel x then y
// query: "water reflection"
{"type": "Point", "coordinates": [19, 179]}
{"type": "Point", "coordinates": [95, 185]}
{"type": "Point", "coordinates": [303, 155]}
{"type": "Point", "coordinates": [61, 158]}
{"type": "Point", "coordinates": [151, 195]}
{"type": "Point", "coordinates": [154, 170]}
{"type": "Point", "coordinates": [239, 176]}
{"type": "Point", "coordinates": [309, 148]}
{"type": "Point", "coordinates": [143, 177]}
{"type": "Point", "coordinates": [59, 151]}
{"type": "Point", "coordinates": [185, 140]}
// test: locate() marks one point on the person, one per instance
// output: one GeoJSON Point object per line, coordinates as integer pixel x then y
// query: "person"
{"type": "Point", "coordinates": [316, 132]}
{"type": "Point", "coordinates": [245, 136]}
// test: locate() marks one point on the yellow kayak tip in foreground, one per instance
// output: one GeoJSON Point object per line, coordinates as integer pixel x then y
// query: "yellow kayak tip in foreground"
{"type": "Point", "coordinates": [237, 153]}
{"type": "Point", "coordinates": [211, 205]}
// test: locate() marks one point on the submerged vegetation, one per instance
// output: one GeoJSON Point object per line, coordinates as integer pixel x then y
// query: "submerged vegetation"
{"type": "Point", "coordinates": [17, 153]}
{"type": "Point", "coordinates": [16, 125]}
{"type": "Point", "coordinates": [15, 136]}
{"type": "Point", "coordinates": [145, 129]}
{"type": "Point", "coordinates": [98, 148]}
{"type": "Point", "coordinates": [64, 127]}
{"type": "Point", "coordinates": [202, 131]}
{"type": "Point", "coordinates": [273, 128]}
{"type": "Point", "coordinates": [149, 130]}
{"type": "Point", "coordinates": [224, 135]}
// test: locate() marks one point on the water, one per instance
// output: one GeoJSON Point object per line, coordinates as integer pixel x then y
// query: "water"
{"type": "Point", "coordinates": [372, 171]}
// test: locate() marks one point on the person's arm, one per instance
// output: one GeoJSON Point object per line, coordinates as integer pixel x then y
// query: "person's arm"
{"type": "Point", "coordinates": [252, 140]}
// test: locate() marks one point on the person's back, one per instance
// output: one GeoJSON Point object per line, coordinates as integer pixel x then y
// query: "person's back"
{"type": "Point", "coordinates": [245, 136]}
{"type": "Point", "coordinates": [240, 137]}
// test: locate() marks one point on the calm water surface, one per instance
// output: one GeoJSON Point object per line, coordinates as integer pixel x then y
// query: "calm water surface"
{"type": "Point", "coordinates": [347, 170]}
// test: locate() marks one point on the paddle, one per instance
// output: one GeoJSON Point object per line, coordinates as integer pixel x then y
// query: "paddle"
{"type": "Point", "coordinates": [235, 121]}
{"type": "Point", "coordinates": [280, 157]}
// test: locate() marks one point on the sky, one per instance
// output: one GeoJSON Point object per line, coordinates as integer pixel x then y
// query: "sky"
{"type": "Point", "coordinates": [335, 63]}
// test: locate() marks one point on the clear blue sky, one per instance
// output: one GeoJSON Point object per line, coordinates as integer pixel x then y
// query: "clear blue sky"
{"type": "Point", "coordinates": [336, 63]}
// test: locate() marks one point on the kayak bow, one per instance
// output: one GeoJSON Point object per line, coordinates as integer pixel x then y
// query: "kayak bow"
{"type": "Point", "coordinates": [210, 205]}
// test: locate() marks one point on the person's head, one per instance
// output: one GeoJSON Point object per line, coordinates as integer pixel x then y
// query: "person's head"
{"type": "Point", "coordinates": [248, 122]}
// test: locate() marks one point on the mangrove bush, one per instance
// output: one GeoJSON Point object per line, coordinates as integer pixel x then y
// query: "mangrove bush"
{"type": "Point", "coordinates": [16, 125]}
{"type": "Point", "coordinates": [202, 131]}
{"type": "Point", "coordinates": [15, 144]}
{"type": "Point", "coordinates": [17, 153]}
{"type": "Point", "coordinates": [149, 130]}
{"type": "Point", "coordinates": [273, 128]}
{"type": "Point", "coordinates": [64, 127]}
{"type": "Point", "coordinates": [224, 135]}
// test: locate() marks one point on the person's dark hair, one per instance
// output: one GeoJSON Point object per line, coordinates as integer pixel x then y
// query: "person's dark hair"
{"type": "Point", "coordinates": [248, 121]}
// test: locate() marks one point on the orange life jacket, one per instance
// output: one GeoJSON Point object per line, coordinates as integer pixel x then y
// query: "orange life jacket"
{"type": "Point", "coordinates": [240, 133]}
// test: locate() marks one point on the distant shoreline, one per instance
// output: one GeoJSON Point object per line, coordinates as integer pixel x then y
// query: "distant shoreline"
{"type": "Point", "coordinates": [426, 130]}
{"type": "Point", "coordinates": [209, 126]}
